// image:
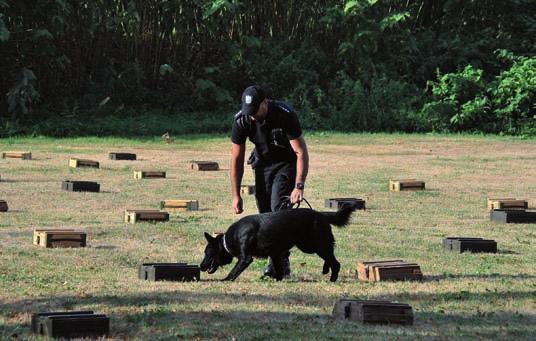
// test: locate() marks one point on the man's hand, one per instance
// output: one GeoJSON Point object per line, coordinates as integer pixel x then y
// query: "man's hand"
{"type": "Point", "coordinates": [296, 196]}
{"type": "Point", "coordinates": [238, 205]}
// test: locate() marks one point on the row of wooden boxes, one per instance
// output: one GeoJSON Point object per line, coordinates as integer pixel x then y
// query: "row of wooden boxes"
{"type": "Point", "coordinates": [88, 324]}
{"type": "Point", "coordinates": [72, 162]}
{"type": "Point", "coordinates": [399, 270]}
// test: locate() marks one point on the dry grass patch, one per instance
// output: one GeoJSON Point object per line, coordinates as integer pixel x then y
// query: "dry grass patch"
{"type": "Point", "coordinates": [463, 296]}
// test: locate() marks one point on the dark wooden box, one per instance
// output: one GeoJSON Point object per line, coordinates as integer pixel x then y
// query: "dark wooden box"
{"type": "Point", "coordinates": [122, 156]}
{"type": "Point", "coordinates": [80, 186]}
{"type": "Point", "coordinates": [135, 216]}
{"type": "Point", "coordinates": [181, 272]}
{"type": "Point", "coordinates": [204, 165]}
{"type": "Point", "coordinates": [59, 238]}
{"type": "Point", "coordinates": [3, 206]}
{"type": "Point", "coordinates": [406, 185]}
{"type": "Point", "coordinates": [72, 324]}
{"type": "Point", "coordinates": [389, 270]}
{"type": "Point", "coordinates": [513, 216]}
{"type": "Point", "coordinates": [247, 189]}
{"type": "Point", "coordinates": [470, 244]}
{"type": "Point", "coordinates": [338, 203]}
{"type": "Point", "coordinates": [81, 163]}
{"type": "Point", "coordinates": [374, 312]}
{"type": "Point", "coordinates": [149, 175]}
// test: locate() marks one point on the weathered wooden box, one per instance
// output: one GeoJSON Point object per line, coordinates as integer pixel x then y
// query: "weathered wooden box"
{"type": "Point", "coordinates": [247, 190]}
{"type": "Point", "coordinates": [3, 206]}
{"type": "Point", "coordinates": [389, 270]}
{"type": "Point", "coordinates": [80, 186]}
{"type": "Point", "coordinates": [179, 205]}
{"type": "Point", "coordinates": [406, 185]}
{"type": "Point", "coordinates": [514, 216]}
{"type": "Point", "coordinates": [17, 155]}
{"type": "Point", "coordinates": [374, 312]}
{"type": "Point", "coordinates": [338, 203]}
{"type": "Point", "coordinates": [204, 165]}
{"type": "Point", "coordinates": [181, 272]}
{"type": "Point", "coordinates": [470, 244]}
{"type": "Point", "coordinates": [71, 324]}
{"type": "Point", "coordinates": [136, 216]}
{"type": "Point", "coordinates": [122, 156]}
{"type": "Point", "coordinates": [507, 204]}
{"type": "Point", "coordinates": [149, 174]}
{"type": "Point", "coordinates": [83, 163]}
{"type": "Point", "coordinates": [64, 238]}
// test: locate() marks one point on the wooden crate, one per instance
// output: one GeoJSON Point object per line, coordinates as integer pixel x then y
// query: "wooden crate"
{"type": "Point", "coordinates": [83, 163]}
{"type": "Point", "coordinates": [388, 270]}
{"type": "Point", "coordinates": [247, 189]}
{"type": "Point", "coordinates": [17, 155]}
{"type": "Point", "coordinates": [204, 165]}
{"type": "Point", "coordinates": [80, 186]}
{"type": "Point", "coordinates": [136, 216]}
{"type": "Point", "coordinates": [50, 238]}
{"type": "Point", "coordinates": [3, 206]}
{"type": "Point", "coordinates": [406, 185]}
{"type": "Point", "coordinates": [470, 244]}
{"type": "Point", "coordinates": [71, 324]}
{"type": "Point", "coordinates": [181, 272]}
{"type": "Point", "coordinates": [149, 175]}
{"type": "Point", "coordinates": [514, 216]}
{"type": "Point", "coordinates": [122, 156]}
{"type": "Point", "coordinates": [507, 204]}
{"type": "Point", "coordinates": [179, 205]}
{"type": "Point", "coordinates": [373, 312]}
{"type": "Point", "coordinates": [338, 203]}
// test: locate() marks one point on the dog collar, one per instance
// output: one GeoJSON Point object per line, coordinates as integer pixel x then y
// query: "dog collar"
{"type": "Point", "coordinates": [225, 245]}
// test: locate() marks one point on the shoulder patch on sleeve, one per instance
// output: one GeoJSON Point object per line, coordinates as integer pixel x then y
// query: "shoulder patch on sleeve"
{"type": "Point", "coordinates": [287, 110]}
{"type": "Point", "coordinates": [284, 106]}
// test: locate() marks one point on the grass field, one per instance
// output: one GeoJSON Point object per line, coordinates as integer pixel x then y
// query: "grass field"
{"type": "Point", "coordinates": [474, 296]}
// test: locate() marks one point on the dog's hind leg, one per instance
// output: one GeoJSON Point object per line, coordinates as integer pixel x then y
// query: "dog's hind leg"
{"type": "Point", "coordinates": [241, 265]}
{"type": "Point", "coordinates": [325, 269]}
{"type": "Point", "coordinates": [330, 262]}
{"type": "Point", "coordinates": [277, 262]}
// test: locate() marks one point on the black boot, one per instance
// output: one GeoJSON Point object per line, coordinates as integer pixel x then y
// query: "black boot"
{"type": "Point", "coordinates": [286, 267]}
{"type": "Point", "coordinates": [269, 270]}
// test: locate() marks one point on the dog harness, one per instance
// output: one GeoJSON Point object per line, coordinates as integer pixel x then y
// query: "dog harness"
{"type": "Point", "coordinates": [225, 245]}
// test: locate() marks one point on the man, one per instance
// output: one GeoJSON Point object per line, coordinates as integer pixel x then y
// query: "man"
{"type": "Point", "coordinates": [280, 159]}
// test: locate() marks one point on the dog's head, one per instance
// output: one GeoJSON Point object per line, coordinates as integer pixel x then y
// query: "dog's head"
{"type": "Point", "coordinates": [215, 254]}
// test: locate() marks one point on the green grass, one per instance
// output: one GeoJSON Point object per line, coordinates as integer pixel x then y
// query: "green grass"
{"type": "Point", "coordinates": [484, 296]}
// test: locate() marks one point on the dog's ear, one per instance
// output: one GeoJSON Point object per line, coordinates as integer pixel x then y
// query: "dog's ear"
{"type": "Point", "coordinates": [209, 237]}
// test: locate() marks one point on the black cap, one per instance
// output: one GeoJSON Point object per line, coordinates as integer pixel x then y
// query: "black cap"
{"type": "Point", "coordinates": [251, 99]}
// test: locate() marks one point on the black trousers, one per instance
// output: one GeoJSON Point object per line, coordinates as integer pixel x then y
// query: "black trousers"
{"type": "Point", "coordinates": [272, 183]}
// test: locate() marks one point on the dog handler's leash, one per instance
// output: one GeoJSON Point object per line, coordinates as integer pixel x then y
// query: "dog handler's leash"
{"type": "Point", "coordinates": [286, 204]}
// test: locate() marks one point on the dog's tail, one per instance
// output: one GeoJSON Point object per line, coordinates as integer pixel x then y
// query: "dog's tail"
{"type": "Point", "coordinates": [341, 217]}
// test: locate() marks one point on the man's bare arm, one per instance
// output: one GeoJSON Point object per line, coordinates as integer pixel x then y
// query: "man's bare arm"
{"type": "Point", "coordinates": [302, 166]}
{"type": "Point", "coordinates": [237, 172]}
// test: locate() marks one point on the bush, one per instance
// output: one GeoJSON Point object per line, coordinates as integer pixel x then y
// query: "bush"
{"type": "Point", "coordinates": [465, 101]}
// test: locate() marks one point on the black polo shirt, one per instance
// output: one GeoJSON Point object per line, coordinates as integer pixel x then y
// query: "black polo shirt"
{"type": "Point", "coordinates": [271, 137]}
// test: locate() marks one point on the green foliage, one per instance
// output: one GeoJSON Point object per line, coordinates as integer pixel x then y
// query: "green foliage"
{"type": "Point", "coordinates": [351, 65]}
{"type": "Point", "coordinates": [21, 97]}
{"type": "Point", "coordinates": [514, 93]}
{"type": "Point", "coordinates": [466, 101]}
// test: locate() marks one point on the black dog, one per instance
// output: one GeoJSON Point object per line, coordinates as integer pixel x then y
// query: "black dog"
{"type": "Point", "coordinates": [274, 234]}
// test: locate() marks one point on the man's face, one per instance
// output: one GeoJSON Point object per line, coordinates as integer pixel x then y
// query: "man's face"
{"type": "Point", "coordinates": [261, 113]}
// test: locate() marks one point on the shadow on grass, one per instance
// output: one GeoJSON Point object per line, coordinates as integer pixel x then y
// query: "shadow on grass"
{"type": "Point", "coordinates": [186, 314]}
{"type": "Point", "coordinates": [495, 276]}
